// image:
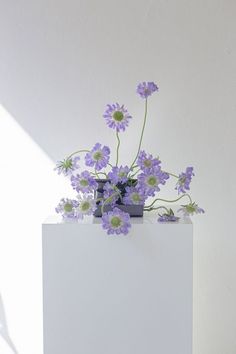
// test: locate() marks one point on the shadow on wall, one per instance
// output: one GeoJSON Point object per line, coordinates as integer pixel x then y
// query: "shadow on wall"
{"type": "Point", "coordinates": [52, 69]}
{"type": "Point", "coordinates": [4, 329]}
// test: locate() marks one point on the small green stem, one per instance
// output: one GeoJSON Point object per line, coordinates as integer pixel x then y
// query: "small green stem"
{"type": "Point", "coordinates": [118, 146]}
{"type": "Point", "coordinates": [77, 152]}
{"type": "Point", "coordinates": [156, 208]}
{"type": "Point", "coordinates": [99, 173]}
{"type": "Point", "coordinates": [169, 201]}
{"type": "Point", "coordinates": [141, 137]}
{"type": "Point", "coordinates": [108, 200]}
{"type": "Point", "coordinates": [135, 166]}
{"type": "Point", "coordinates": [171, 174]}
{"type": "Point", "coordinates": [134, 173]}
{"type": "Point", "coordinates": [96, 173]}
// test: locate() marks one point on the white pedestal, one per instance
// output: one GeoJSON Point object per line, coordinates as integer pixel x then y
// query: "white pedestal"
{"type": "Point", "coordinates": [117, 294]}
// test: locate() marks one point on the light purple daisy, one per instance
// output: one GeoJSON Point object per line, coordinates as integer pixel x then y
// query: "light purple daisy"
{"type": "Point", "coordinates": [134, 195]}
{"type": "Point", "coordinates": [168, 216]}
{"type": "Point", "coordinates": [149, 181]}
{"type": "Point", "coordinates": [67, 166]}
{"type": "Point", "coordinates": [119, 174]}
{"type": "Point", "coordinates": [117, 117]}
{"type": "Point", "coordinates": [146, 161]}
{"type": "Point", "coordinates": [184, 180]}
{"type": "Point", "coordinates": [86, 206]}
{"type": "Point", "coordinates": [67, 208]}
{"type": "Point", "coordinates": [191, 209]}
{"type": "Point", "coordinates": [98, 157]}
{"type": "Point", "coordinates": [116, 222]}
{"type": "Point", "coordinates": [145, 89]}
{"type": "Point", "coordinates": [110, 191]}
{"type": "Point", "coordinates": [84, 182]}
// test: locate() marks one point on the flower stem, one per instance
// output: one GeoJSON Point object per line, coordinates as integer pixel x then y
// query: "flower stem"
{"type": "Point", "coordinates": [117, 149]}
{"type": "Point", "coordinates": [141, 137]}
{"type": "Point", "coordinates": [171, 174]}
{"type": "Point", "coordinates": [99, 173]}
{"type": "Point", "coordinates": [156, 208]}
{"type": "Point", "coordinates": [108, 200]}
{"type": "Point", "coordinates": [96, 173]}
{"type": "Point", "coordinates": [135, 173]}
{"type": "Point", "coordinates": [169, 201]}
{"type": "Point", "coordinates": [76, 152]}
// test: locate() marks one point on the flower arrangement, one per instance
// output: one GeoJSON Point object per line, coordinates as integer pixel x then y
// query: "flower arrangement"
{"type": "Point", "coordinates": [122, 186]}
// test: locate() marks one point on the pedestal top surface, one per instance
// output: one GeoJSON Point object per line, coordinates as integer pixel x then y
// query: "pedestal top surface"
{"type": "Point", "coordinates": [148, 218]}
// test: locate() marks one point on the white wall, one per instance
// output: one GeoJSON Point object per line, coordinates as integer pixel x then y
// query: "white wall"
{"type": "Point", "coordinates": [61, 62]}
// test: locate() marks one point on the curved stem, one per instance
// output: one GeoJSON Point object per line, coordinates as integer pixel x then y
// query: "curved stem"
{"type": "Point", "coordinates": [77, 152]}
{"type": "Point", "coordinates": [108, 200]}
{"type": "Point", "coordinates": [169, 201]}
{"type": "Point", "coordinates": [156, 208]}
{"type": "Point", "coordinates": [141, 137]}
{"type": "Point", "coordinates": [118, 146]}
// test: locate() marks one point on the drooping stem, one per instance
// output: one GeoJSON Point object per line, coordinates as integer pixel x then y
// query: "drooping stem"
{"type": "Point", "coordinates": [76, 152]}
{"type": "Point", "coordinates": [109, 199]}
{"type": "Point", "coordinates": [141, 137]}
{"type": "Point", "coordinates": [117, 149]}
{"type": "Point", "coordinates": [156, 208]}
{"type": "Point", "coordinates": [169, 201]}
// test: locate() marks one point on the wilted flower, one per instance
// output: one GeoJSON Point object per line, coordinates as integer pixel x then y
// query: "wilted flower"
{"type": "Point", "coordinates": [191, 209]}
{"type": "Point", "coordinates": [134, 195]}
{"type": "Point", "coordinates": [98, 157]}
{"type": "Point", "coordinates": [84, 182]}
{"type": "Point", "coordinates": [116, 222]}
{"type": "Point", "coordinates": [67, 166]}
{"type": "Point", "coordinates": [168, 216]}
{"type": "Point", "coordinates": [119, 174]}
{"type": "Point", "coordinates": [67, 208]}
{"type": "Point", "coordinates": [146, 161]}
{"type": "Point", "coordinates": [184, 180]}
{"type": "Point", "coordinates": [146, 89]}
{"type": "Point", "coordinates": [86, 206]}
{"type": "Point", "coordinates": [149, 181]}
{"type": "Point", "coordinates": [117, 117]}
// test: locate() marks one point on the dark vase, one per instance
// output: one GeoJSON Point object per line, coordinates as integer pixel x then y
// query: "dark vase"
{"type": "Point", "coordinates": [132, 209]}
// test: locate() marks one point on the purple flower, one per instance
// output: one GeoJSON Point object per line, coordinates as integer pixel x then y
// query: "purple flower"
{"type": "Point", "coordinates": [98, 157]}
{"type": "Point", "coordinates": [191, 209]}
{"type": "Point", "coordinates": [117, 117]}
{"type": "Point", "coordinates": [184, 180]}
{"type": "Point", "coordinates": [134, 195]}
{"type": "Point", "coordinates": [84, 182]}
{"type": "Point", "coordinates": [67, 207]}
{"type": "Point", "coordinates": [168, 216]}
{"type": "Point", "coordinates": [149, 181]}
{"type": "Point", "coordinates": [146, 89]}
{"type": "Point", "coordinates": [86, 206]}
{"type": "Point", "coordinates": [119, 174]}
{"type": "Point", "coordinates": [146, 161]}
{"type": "Point", "coordinates": [116, 222]}
{"type": "Point", "coordinates": [67, 166]}
{"type": "Point", "coordinates": [110, 191]}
